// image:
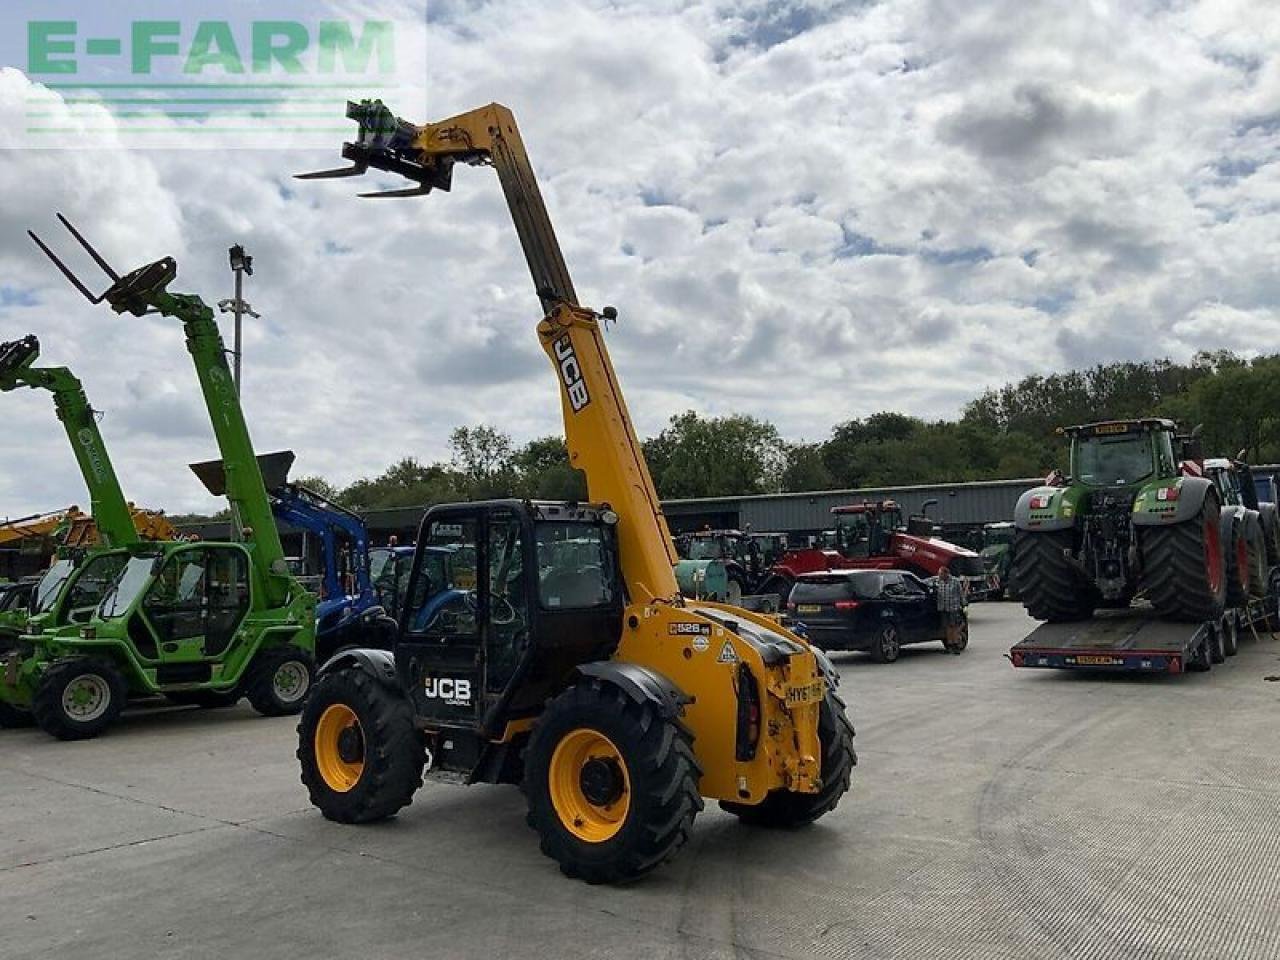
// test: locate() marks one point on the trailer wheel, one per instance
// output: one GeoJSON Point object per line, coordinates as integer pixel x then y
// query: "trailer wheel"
{"type": "Point", "coordinates": [1230, 635]}
{"type": "Point", "coordinates": [1202, 660]}
{"type": "Point", "coordinates": [784, 809]}
{"type": "Point", "coordinates": [1185, 566]}
{"type": "Point", "coordinates": [1044, 580]}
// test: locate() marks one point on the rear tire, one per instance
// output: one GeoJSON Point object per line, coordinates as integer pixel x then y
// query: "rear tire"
{"type": "Point", "coordinates": [279, 681]}
{"type": "Point", "coordinates": [1043, 579]}
{"type": "Point", "coordinates": [1256, 548]}
{"type": "Point", "coordinates": [1185, 566]}
{"type": "Point", "coordinates": [612, 786]}
{"type": "Point", "coordinates": [1236, 553]}
{"type": "Point", "coordinates": [1270, 532]}
{"type": "Point", "coordinates": [79, 698]}
{"type": "Point", "coordinates": [361, 756]}
{"type": "Point", "coordinates": [785, 809]}
{"type": "Point", "coordinates": [887, 646]}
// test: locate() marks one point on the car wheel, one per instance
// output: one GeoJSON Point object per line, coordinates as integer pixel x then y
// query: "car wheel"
{"type": "Point", "coordinates": [888, 644]}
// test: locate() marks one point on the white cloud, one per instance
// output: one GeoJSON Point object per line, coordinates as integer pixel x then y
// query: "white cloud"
{"type": "Point", "coordinates": [804, 211]}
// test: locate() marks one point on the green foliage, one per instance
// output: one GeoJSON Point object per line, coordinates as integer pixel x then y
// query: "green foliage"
{"type": "Point", "coordinates": [720, 456]}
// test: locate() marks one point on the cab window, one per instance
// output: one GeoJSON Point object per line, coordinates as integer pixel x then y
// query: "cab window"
{"type": "Point", "coordinates": [90, 586]}
{"type": "Point", "coordinates": [575, 566]}
{"type": "Point", "coordinates": [442, 597]}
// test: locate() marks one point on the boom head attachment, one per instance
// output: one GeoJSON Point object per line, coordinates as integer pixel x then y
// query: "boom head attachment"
{"type": "Point", "coordinates": [17, 355]}
{"type": "Point", "coordinates": [386, 142]}
{"type": "Point", "coordinates": [134, 293]}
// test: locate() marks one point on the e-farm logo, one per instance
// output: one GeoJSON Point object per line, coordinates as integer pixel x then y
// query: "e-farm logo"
{"type": "Point", "coordinates": [158, 82]}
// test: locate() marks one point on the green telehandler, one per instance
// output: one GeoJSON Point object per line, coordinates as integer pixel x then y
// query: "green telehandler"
{"type": "Point", "coordinates": [203, 622]}
{"type": "Point", "coordinates": [1136, 516]}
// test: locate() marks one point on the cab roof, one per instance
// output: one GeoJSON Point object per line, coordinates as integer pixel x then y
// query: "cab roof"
{"type": "Point", "coordinates": [1103, 427]}
{"type": "Point", "coordinates": [867, 506]}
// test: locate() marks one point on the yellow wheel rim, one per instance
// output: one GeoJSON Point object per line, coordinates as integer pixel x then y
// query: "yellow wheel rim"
{"type": "Point", "coordinates": [339, 747]}
{"type": "Point", "coordinates": [590, 787]}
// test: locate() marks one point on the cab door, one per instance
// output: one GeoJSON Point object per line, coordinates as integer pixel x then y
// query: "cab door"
{"type": "Point", "coordinates": [439, 655]}
{"type": "Point", "coordinates": [197, 602]}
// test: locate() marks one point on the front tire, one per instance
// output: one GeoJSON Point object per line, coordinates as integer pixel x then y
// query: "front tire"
{"type": "Point", "coordinates": [1043, 579]}
{"type": "Point", "coordinates": [13, 718]}
{"type": "Point", "coordinates": [1185, 567]}
{"type": "Point", "coordinates": [79, 698]}
{"type": "Point", "coordinates": [361, 756]}
{"type": "Point", "coordinates": [612, 786]}
{"type": "Point", "coordinates": [279, 680]}
{"type": "Point", "coordinates": [785, 809]}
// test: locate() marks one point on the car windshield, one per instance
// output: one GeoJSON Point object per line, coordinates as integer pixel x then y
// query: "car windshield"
{"type": "Point", "coordinates": [51, 585]}
{"type": "Point", "coordinates": [133, 578]}
{"type": "Point", "coordinates": [1113, 461]}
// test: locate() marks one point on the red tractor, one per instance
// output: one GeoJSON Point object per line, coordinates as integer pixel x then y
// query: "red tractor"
{"type": "Point", "coordinates": [872, 535]}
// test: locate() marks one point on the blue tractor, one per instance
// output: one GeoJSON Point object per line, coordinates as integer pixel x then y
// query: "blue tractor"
{"type": "Point", "coordinates": [348, 612]}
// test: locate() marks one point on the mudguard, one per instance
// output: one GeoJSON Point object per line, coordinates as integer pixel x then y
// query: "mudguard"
{"type": "Point", "coordinates": [826, 667]}
{"type": "Point", "coordinates": [1044, 509]}
{"type": "Point", "coordinates": [639, 683]}
{"type": "Point", "coordinates": [1149, 510]}
{"type": "Point", "coordinates": [379, 664]}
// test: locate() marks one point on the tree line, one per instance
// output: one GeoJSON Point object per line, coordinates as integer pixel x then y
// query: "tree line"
{"type": "Point", "coordinates": [1007, 432]}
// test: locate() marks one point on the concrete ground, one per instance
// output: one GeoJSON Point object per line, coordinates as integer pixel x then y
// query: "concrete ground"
{"type": "Point", "coordinates": [995, 813]}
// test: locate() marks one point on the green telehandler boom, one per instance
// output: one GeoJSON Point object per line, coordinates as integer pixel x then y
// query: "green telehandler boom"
{"type": "Point", "coordinates": [202, 623]}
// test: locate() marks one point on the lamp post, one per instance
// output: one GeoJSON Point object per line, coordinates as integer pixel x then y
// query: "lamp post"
{"type": "Point", "coordinates": [241, 264]}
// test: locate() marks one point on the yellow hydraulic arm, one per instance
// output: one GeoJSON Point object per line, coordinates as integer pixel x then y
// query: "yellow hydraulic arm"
{"type": "Point", "coordinates": [598, 431]}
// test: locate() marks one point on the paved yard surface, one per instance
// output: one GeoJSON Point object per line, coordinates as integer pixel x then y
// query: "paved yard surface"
{"type": "Point", "coordinates": [995, 813]}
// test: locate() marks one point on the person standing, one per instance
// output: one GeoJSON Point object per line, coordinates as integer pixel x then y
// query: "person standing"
{"type": "Point", "coordinates": [950, 599]}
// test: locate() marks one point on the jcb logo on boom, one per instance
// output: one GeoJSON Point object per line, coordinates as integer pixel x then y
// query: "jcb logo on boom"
{"type": "Point", "coordinates": [571, 373]}
{"type": "Point", "coordinates": [448, 689]}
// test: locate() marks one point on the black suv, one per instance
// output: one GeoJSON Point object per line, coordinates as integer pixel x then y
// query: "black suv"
{"type": "Point", "coordinates": [874, 610]}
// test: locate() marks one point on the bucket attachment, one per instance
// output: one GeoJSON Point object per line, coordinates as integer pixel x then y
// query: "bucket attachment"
{"type": "Point", "coordinates": [274, 467]}
{"type": "Point", "coordinates": [131, 293]}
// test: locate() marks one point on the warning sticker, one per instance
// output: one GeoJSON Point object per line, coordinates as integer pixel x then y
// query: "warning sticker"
{"type": "Point", "coordinates": [727, 653]}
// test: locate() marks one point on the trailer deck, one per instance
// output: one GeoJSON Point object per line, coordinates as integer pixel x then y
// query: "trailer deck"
{"type": "Point", "coordinates": [1128, 639]}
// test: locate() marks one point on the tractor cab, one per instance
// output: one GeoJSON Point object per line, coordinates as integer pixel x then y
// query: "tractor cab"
{"type": "Point", "coordinates": [72, 587]}
{"type": "Point", "coordinates": [505, 599]}
{"type": "Point", "coordinates": [1122, 453]}
{"type": "Point", "coordinates": [865, 529]}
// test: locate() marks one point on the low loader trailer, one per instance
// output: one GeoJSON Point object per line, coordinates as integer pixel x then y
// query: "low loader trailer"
{"type": "Point", "coordinates": [1135, 640]}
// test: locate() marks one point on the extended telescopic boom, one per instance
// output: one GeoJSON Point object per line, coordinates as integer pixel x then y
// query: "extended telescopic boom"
{"type": "Point", "coordinates": [599, 433]}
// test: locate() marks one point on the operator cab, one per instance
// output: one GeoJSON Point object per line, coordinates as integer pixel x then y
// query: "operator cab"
{"type": "Point", "coordinates": [864, 529]}
{"type": "Point", "coordinates": [71, 589]}
{"type": "Point", "coordinates": [493, 582]}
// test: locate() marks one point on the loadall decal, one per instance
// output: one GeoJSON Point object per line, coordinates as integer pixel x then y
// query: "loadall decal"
{"type": "Point", "coordinates": [571, 374]}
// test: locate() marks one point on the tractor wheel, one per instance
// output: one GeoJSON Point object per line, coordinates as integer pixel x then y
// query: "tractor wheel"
{"type": "Point", "coordinates": [1256, 548]}
{"type": "Point", "coordinates": [612, 786]}
{"type": "Point", "coordinates": [279, 680]}
{"type": "Point", "coordinates": [1045, 581]}
{"type": "Point", "coordinates": [206, 699]}
{"type": "Point", "coordinates": [737, 589]}
{"type": "Point", "coordinates": [887, 646]}
{"type": "Point", "coordinates": [782, 808]}
{"type": "Point", "coordinates": [1236, 552]}
{"type": "Point", "coordinates": [11, 717]}
{"type": "Point", "coordinates": [77, 699]}
{"type": "Point", "coordinates": [1185, 566]}
{"type": "Point", "coordinates": [1230, 636]}
{"type": "Point", "coordinates": [361, 755]}
{"type": "Point", "coordinates": [778, 583]}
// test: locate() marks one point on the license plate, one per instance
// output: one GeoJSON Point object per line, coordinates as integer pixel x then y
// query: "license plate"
{"type": "Point", "coordinates": [1094, 660]}
{"type": "Point", "coordinates": [809, 608]}
{"type": "Point", "coordinates": [808, 693]}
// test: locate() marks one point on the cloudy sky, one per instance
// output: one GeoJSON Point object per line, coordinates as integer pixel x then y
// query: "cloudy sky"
{"type": "Point", "coordinates": [806, 211]}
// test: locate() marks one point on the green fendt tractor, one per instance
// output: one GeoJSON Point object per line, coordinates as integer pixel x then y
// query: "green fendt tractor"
{"type": "Point", "coordinates": [1135, 515]}
{"type": "Point", "coordinates": [202, 623]}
